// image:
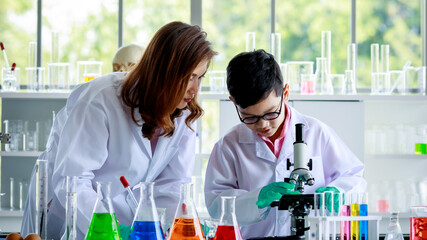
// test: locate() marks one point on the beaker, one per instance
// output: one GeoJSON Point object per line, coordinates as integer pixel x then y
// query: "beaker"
{"type": "Point", "coordinates": [186, 223]}
{"type": "Point", "coordinates": [250, 41]}
{"type": "Point", "coordinates": [58, 75]}
{"type": "Point", "coordinates": [146, 224]}
{"type": "Point", "coordinates": [41, 198]}
{"type": "Point", "coordinates": [70, 209]}
{"type": "Point", "coordinates": [398, 81]}
{"type": "Point", "coordinates": [35, 78]}
{"type": "Point", "coordinates": [418, 225]}
{"type": "Point", "coordinates": [416, 80]}
{"type": "Point", "coordinates": [294, 71]}
{"type": "Point", "coordinates": [228, 228]}
{"type": "Point", "coordinates": [337, 81]}
{"type": "Point", "coordinates": [104, 223]}
{"type": "Point", "coordinates": [10, 79]}
{"type": "Point", "coordinates": [217, 81]}
{"type": "Point", "coordinates": [308, 84]}
{"type": "Point", "coordinates": [322, 76]}
{"type": "Point", "coordinates": [88, 70]}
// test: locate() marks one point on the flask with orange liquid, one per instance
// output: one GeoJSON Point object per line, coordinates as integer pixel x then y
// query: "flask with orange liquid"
{"type": "Point", "coordinates": [186, 225]}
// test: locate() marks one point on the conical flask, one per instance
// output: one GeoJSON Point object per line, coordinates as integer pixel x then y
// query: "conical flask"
{"type": "Point", "coordinates": [394, 232]}
{"type": "Point", "coordinates": [228, 228]}
{"type": "Point", "coordinates": [322, 76]}
{"type": "Point", "coordinates": [186, 225]}
{"type": "Point", "coordinates": [146, 224]}
{"type": "Point", "coordinates": [104, 223]}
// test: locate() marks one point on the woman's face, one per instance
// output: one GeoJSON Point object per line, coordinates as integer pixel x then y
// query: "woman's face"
{"type": "Point", "coordinates": [194, 83]}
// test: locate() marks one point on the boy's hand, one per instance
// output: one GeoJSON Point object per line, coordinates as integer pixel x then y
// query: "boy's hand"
{"type": "Point", "coordinates": [124, 231]}
{"type": "Point", "coordinates": [273, 192]}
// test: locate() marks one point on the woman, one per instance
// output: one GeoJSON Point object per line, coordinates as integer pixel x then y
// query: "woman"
{"type": "Point", "coordinates": [138, 125]}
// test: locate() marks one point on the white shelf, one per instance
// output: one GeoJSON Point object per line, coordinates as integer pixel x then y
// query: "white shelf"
{"type": "Point", "coordinates": [11, 213]}
{"type": "Point", "coordinates": [396, 156]}
{"type": "Point", "coordinates": [20, 154]}
{"type": "Point", "coordinates": [37, 95]}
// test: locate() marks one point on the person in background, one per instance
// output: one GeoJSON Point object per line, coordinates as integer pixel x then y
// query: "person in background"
{"type": "Point", "coordinates": [130, 124]}
{"type": "Point", "coordinates": [250, 160]}
{"type": "Point", "coordinates": [126, 57]}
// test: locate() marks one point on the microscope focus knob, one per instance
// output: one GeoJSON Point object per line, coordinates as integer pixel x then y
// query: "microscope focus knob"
{"type": "Point", "coordinates": [310, 164]}
{"type": "Point", "coordinates": [288, 164]}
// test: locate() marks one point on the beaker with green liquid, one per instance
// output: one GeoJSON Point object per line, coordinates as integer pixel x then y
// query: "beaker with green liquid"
{"type": "Point", "coordinates": [104, 223]}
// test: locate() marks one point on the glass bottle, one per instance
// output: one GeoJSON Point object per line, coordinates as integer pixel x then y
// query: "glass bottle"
{"type": "Point", "coordinates": [104, 223]}
{"type": "Point", "coordinates": [394, 232]}
{"type": "Point", "coordinates": [146, 224]}
{"type": "Point", "coordinates": [186, 225]}
{"type": "Point", "coordinates": [228, 229]}
{"type": "Point", "coordinates": [322, 76]}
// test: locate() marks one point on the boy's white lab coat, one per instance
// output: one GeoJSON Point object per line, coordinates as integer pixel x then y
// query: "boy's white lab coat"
{"type": "Point", "coordinates": [100, 142]}
{"type": "Point", "coordinates": [241, 164]}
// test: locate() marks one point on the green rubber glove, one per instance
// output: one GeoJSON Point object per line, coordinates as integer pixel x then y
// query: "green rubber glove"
{"type": "Point", "coordinates": [273, 192]}
{"type": "Point", "coordinates": [328, 201]}
{"type": "Point", "coordinates": [124, 231]}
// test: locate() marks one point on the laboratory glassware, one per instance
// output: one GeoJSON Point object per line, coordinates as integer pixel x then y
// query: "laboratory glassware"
{"type": "Point", "coordinates": [10, 79]}
{"type": "Point", "coordinates": [186, 223]}
{"type": "Point", "coordinates": [363, 212]}
{"type": "Point", "coordinates": [41, 198]}
{"type": "Point", "coordinates": [326, 49]}
{"type": "Point", "coordinates": [217, 81]}
{"type": "Point", "coordinates": [12, 193]}
{"type": "Point", "coordinates": [59, 77]}
{"type": "Point", "coordinates": [337, 81]}
{"type": "Point", "coordinates": [35, 78]}
{"type": "Point", "coordinates": [398, 81]}
{"type": "Point", "coordinates": [228, 228]}
{"type": "Point", "coordinates": [275, 46]}
{"type": "Point", "coordinates": [70, 209]}
{"type": "Point", "coordinates": [32, 54]}
{"type": "Point", "coordinates": [146, 224]}
{"type": "Point", "coordinates": [375, 66]}
{"type": "Point", "coordinates": [250, 41]}
{"type": "Point", "coordinates": [210, 228]}
{"type": "Point", "coordinates": [352, 59]}
{"type": "Point", "coordinates": [382, 82]}
{"type": "Point", "coordinates": [88, 70]}
{"type": "Point", "coordinates": [308, 84]}
{"type": "Point", "coordinates": [104, 223]}
{"type": "Point", "coordinates": [6, 131]}
{"type": "Point", "coordinates": [394, 232]}
{"type": "Point", "coordinates": [346, 212]}
{"type": "Point", "coordinates": [354, 212]}
{"type": "Point", "coordinates": [294, 70]}
{"type": "Point", "coordinates": [418, 223]}
{"type": "Point", "coordinates": [385, 55]}
{"type": "Point", "coordinates": [322, 76]}
{"type": "Point", "coordinates": [54, 55]}
{"type": "Point", "coordinates": [350, 85]}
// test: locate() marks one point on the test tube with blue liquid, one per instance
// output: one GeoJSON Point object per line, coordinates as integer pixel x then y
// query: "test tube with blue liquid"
{"type": "Point", "coordinates": [363, 212]}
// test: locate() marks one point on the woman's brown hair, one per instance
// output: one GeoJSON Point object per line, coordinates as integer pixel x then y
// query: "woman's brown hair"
{"type": "Point", "coordinates": [158, 82]}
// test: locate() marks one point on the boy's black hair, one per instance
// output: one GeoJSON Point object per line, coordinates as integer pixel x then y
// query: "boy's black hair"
{"type": "Point", "coordinates": [252, 76]}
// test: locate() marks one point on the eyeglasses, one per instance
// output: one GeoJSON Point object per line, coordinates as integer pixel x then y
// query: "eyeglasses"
{"type": "Point", "coordinates": [268, 116]}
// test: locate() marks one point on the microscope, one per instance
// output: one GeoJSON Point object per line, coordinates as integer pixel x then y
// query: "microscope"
{"type": "Point", "coordinates": [298, 205]}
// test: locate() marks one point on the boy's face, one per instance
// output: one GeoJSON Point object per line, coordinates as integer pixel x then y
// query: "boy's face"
{"type": "Point", "coordinates": [272, 103]}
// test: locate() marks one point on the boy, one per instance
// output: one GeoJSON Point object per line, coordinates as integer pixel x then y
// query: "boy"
{"type": "Point", "coordinates": [250, 160]}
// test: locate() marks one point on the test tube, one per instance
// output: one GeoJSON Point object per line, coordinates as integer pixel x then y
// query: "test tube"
{"type": "Point", "coordinates": [12, 192]}
{"type": "Point", "coordinates": [41, 198]}
{"type": "Point", "coordinates": [54, 57]}
{"type": "Point", "coordinates": [250, 41]}
{"type": "Point", "coordinates": [6, 131]}
{"type": "Point", "coordinates": [275, 46]}
{"type": "Point", "coordinates": [363, 200]}
{"type": "Point", "coordinates": [355, 210]}
{"type": "Point", "coordinates": [326, 48]}
{"type": "Point", "coordinates": [71, 209]}
{"type": "Point", "coordinates": [346, 211]}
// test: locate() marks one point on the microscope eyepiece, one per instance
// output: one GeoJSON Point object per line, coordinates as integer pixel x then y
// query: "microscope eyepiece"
{"type": "Point", "coordinates": [299, 134]}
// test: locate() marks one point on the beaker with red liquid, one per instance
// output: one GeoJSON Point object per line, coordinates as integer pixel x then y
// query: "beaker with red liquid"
{"type": "Point", "coordinates": [418, 223]}
{"type": "Point", "coordinates": [228, 228]}
{"type": "Point", "coordinates": [186, 225]}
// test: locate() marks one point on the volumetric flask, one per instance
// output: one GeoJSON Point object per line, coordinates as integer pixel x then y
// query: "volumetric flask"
{"type": "Point", "coordinates": [146, 224]}
{"type": "Point", "coordinates": [228, 228]}
{"type": "Point", "coordinates": [104, 223]}
{"type": "Point", "coordinates": [294, 71]}
{"type": "Point", "coordinates": [186, 223]}
{"type": "Point", "coordinates": [88, 70]}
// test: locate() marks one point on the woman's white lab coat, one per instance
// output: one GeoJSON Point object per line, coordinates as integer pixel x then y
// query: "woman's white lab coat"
{"type": "Point", "coordinates": [100, 142]}
{"type": "Point", "coordinates": [241, 164]}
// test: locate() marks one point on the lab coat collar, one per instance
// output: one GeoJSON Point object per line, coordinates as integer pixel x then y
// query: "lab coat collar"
{"type": "Point", "coordinates": [247, 136]}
